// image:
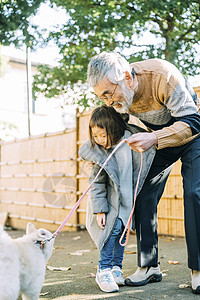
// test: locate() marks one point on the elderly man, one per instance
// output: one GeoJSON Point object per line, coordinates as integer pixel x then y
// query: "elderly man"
{"type": "Point", "coordinates": [158, 94]}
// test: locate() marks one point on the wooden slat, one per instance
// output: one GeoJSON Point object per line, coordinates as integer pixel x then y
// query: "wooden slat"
{"type": "Point", "coordinates": [3, 218]}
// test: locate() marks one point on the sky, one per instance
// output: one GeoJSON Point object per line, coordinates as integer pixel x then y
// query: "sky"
{"type": "Point", "coordinates": [46, 17]}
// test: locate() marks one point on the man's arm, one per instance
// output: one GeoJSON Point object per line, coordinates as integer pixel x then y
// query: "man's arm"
{"type": "Point", "coordinates": [175, 135]}
{"type": "Point", "coordinates": [175, 93]}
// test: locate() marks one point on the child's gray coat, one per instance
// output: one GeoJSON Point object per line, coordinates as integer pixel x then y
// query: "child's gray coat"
{"type": "Point", "coordinates": [105, 192]}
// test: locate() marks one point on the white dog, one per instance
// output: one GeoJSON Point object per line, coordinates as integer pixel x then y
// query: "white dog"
{"type": "Point", "coordinates": [23, 263]}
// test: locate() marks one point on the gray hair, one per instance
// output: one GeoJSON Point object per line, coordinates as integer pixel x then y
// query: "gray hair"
{"type": "Point", "coordinates": [110, 64]}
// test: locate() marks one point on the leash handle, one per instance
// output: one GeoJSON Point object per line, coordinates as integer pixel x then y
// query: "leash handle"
{"type": "Point", "coordinates": [128, 225]}
{"type": "Point", "coordinates": [88, 188]}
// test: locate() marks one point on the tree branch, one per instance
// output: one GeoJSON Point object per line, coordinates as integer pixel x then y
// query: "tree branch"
{"type": "Point", "coordinates": [188, 31]}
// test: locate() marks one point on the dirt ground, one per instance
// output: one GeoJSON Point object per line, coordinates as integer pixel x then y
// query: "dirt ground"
{"type": "Point", "coordinates": [71, 270]}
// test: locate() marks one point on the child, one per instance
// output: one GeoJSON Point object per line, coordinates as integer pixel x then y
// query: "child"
{"type": "Point", "coordinates": [111, 195]}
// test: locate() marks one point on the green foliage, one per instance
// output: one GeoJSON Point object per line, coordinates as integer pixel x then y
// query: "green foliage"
{"type": "Point", "coordinates": [15, 26]}
{"type": "Point", "coordinates": [79, 95]}
{"type": "Point", "coordinates": [116, 25]}
{"type": "Point", "coordinates": [46, 83]}
{"type": "Point", "coordinates": [7, 130]}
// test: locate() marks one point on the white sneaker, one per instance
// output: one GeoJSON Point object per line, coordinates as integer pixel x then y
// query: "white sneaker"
{"type": "Point", "coordinates": [117, 274]}
{"type": "Point", "coordinates": [106, 282]}
{"type": "Point", "coordinates": [144, 275]}
{"type": "Point", "coordinates": [195, 281]}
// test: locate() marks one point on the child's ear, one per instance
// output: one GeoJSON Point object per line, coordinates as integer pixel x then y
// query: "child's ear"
{"type": "Point", "coordinates": [30, 228]}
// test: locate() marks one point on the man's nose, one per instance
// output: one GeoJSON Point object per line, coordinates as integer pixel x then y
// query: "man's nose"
{"type": "Point", "coordinates": [109, 102]}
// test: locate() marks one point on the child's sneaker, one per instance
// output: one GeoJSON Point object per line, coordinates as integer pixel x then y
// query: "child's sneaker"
{"type": "Point", "coordinates": [117, 274]}
{"type": "Point", "coordinates": [106, 282]}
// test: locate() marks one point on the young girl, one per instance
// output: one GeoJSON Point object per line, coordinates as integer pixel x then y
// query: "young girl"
{"type": "Point", "coordinates": [111, 195]}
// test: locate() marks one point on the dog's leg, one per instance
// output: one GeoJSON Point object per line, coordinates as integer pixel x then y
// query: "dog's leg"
{"type": "Point", "coordinates": [28, 296]}
{"type": "Point", "coordinates": [8, 296]}
{"type": "Point", "coordinates": [33, 290]}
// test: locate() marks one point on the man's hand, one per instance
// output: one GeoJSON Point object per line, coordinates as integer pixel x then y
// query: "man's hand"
{"type": "Point", "coordinates": [141, 142]}
{"type": "Point", "coordinates": [101, 220]}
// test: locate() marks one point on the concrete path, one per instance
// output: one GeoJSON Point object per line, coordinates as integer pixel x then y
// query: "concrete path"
{"type": "Point", "coordinates": [77, 254]}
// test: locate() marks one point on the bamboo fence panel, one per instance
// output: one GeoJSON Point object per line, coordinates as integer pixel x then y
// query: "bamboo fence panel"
{"type": "Point", "coordinates": [83, 167]}
{"type": "Point", "coordinates": [38, 180]}
{"type": "Point", "coordinates": [42, 177]}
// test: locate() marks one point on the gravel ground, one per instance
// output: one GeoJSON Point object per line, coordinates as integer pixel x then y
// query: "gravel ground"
{"type": "Point", "coordinates": [71, 270]}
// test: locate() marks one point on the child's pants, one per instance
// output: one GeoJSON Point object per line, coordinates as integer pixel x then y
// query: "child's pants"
{"type": "Point", "coordinates": [112, 253]}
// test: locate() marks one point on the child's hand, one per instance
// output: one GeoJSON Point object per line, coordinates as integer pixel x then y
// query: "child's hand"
{"type": "Point", "coordinates": [90, 164]}
{"type": "Point", "coordinates": [101, 220]}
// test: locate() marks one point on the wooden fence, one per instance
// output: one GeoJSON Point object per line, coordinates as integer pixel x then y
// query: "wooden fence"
{"type": "Point", "coordinates": [42, 177]}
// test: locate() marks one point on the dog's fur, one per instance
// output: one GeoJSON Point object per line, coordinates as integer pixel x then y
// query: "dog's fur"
{"type": "Point", "coordinates": [23, 263]}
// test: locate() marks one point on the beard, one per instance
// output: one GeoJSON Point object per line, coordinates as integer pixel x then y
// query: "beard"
{"type": "Point", "coordinates": [128, 99]}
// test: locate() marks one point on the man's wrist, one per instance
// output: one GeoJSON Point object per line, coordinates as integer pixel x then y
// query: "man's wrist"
{"type": "Point", "coordinates": [155, 138]}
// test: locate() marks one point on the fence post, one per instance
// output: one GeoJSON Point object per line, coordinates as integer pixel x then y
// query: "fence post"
{"type": "Point", "coordinates": [0, 170]}
{"type": "Point", "coordinates": [77, 162]}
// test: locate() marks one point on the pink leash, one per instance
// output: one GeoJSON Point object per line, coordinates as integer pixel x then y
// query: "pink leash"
{"type": "Point", "coordinates": [81, 198]}
{"type": "Point", "coordinates": [128, 225]}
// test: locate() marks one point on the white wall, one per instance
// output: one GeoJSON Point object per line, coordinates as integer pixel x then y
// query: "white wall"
{"type": "Point", "coordinates": [48, 116]}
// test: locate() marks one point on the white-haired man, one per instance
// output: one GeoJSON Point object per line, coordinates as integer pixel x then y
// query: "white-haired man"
{"type": "Point", "coordinates": [160, 96]}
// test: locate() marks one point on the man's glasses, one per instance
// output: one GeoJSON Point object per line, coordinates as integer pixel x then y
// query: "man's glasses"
{"type": "Point", "coordinates": [106, 98]}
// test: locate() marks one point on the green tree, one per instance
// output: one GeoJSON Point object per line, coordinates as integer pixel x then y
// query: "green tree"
{"type": "Point", "coordinates": [15, 27]}
{"type": "Point", "coordinates": [96, 25]}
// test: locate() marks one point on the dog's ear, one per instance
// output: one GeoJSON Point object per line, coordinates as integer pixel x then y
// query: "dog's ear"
{"type": "Point", "coordinates": [30, 228]}
{"type": "Point", "coordinates": [43, 233]}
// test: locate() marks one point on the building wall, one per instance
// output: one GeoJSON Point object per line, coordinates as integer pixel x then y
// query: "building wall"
{"type": "Point", "coordinates": [45, 115]}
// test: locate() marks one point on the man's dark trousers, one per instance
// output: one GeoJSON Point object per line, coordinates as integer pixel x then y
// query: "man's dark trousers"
{"type": "Point", "coordinates": [147, 201]}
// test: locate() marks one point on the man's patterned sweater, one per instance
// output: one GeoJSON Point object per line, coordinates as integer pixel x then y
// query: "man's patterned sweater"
{"type": "Point", "coordinates": [165, 102]}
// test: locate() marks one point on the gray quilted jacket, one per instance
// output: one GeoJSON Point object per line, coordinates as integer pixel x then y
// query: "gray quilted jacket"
{"type": "Point", "coordinates": [104, 195]}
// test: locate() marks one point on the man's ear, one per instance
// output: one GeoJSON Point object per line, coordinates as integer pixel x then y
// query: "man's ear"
{"type": "Point", "coordinates": [129, 79]}
{"type": "Point", "coordinates": [30, 228]}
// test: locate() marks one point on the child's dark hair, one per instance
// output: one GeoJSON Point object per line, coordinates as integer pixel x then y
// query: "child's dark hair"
{"type": "Point", "coordinates": [108, 118]}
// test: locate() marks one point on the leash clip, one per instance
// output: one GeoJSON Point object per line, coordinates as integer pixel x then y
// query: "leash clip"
{"type": "Point", "coordinates": [43, 242]}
